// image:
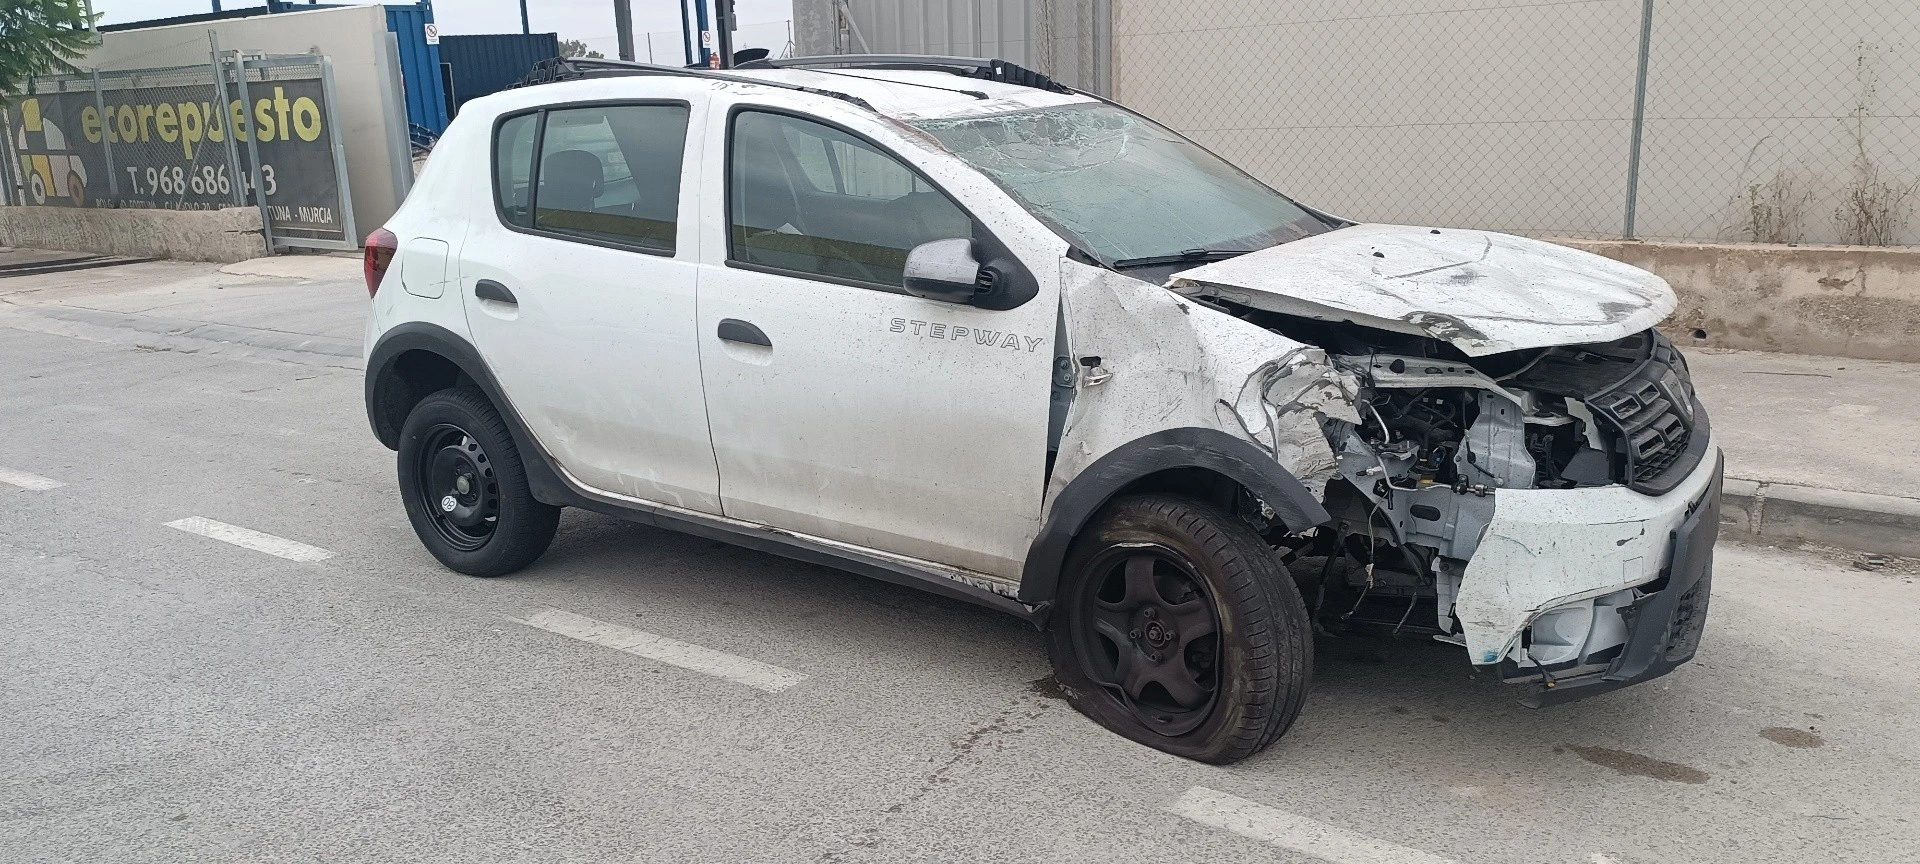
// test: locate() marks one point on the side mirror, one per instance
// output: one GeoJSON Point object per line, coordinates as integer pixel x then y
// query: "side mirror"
{"type": "Point", "coordinates": [943, 270]}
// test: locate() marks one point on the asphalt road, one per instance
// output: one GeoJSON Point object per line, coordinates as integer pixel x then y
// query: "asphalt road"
{"type": "Point", "coordinates": [167, 696]}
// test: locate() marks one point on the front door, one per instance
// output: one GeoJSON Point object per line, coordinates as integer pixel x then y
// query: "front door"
{"type": "Point", "coordinates": [581, 297]}
{"type": "Point", "coordinates": [840, 406]}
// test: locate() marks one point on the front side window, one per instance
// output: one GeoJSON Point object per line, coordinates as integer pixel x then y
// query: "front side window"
{"type": "Point", "coordinates": [513, 168]}
{"type": "Point", "coordinates": [612, 173]}
{"type": "Point", "coordinates": [809, 198]}
{"type": "Point", "coordinates": [1121, 186]}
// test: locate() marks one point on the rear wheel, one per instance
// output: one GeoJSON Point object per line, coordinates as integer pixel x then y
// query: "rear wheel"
{"type": "Point", "coordinates": [465, 488]}
{"type": "Point", "coordinates": [1178, 628]}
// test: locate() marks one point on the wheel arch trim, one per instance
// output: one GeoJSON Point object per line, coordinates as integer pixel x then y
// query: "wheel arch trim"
{"type": "Point", "coordinates": [1209, 450]}
{"type": "Point", "coordinates": [433, 339]}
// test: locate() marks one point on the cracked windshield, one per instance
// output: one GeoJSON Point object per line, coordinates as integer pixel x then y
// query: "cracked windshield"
{"type": "Point", "coordinates": [1122, 186]}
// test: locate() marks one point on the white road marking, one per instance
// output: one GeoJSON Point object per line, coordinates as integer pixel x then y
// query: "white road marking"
{"type": "Point", "coordinates": [33, 482]}
{"type": "Point", "coordinates": [247, 538]}
{"type": "Point", "coordinates": [1291, 832]}
{"type": "Point", "coordinates": [740, 670]}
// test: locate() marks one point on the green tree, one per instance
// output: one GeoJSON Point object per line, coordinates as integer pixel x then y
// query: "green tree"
{"type": "Point", "coordinates": [40, 37]}
{"type": "Point", "coordinates": [577, 48]}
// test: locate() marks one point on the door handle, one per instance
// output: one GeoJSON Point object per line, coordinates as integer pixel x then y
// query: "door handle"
{"type": "Point", "coordinates": [736, 330]}
{"type": "Point", "coordinates": [487, 289]}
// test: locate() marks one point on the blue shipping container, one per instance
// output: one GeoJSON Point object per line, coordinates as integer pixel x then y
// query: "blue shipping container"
{"type": "Point", "coordinates": [478, 65]}
{"type": "Point", "coordinates": [420, 69]}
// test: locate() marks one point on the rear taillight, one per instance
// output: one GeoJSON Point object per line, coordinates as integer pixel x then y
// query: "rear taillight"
{"type": "Point", "coordinates": [381, 245]}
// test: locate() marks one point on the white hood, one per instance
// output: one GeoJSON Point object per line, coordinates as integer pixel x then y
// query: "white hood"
{"type": "Point", "coordinates": [1482, 292]}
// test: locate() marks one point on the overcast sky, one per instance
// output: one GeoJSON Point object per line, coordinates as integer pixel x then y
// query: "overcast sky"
{"type": "Point", "coordinates": [762, 22]}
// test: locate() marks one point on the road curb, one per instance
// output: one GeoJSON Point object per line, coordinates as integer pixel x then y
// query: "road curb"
{"type": "Point", "coordinates": [1850, 520]}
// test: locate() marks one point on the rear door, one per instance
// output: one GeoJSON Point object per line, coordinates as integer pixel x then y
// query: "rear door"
{"type": "Point", "coordinates": [580, 293]}
{"type": "Point", "coordinates": [841, 406]}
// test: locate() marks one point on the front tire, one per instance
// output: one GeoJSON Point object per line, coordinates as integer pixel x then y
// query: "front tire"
{"type": "Point", "coordinates": [465, 488]}
{"type": "Point", "coordinates": [1177, 627]}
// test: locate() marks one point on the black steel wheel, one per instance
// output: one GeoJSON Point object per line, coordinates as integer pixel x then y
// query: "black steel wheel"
{"type": "Point", "coordinates": [1147, 633]}
{"type": "Point", "coordinates": [456, 475]}
{"type": "Point", "coordinates": [465, 488]}
{"type": "Point", "coordinates": [1176, 626]}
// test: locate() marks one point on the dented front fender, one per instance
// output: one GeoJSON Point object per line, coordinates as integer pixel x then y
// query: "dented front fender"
{"type": "Point", "coordinates": [1153, 361]}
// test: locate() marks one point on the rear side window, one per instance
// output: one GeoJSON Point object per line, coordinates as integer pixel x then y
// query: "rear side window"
{"type": "Point", "coordinates": [613, 173]}
{"type": "Point", "coordinates": [606, 173]}
{"type": "Point", "coordinates": [513, 168]}
{"type": "Point", "coordinates": [811, 199]}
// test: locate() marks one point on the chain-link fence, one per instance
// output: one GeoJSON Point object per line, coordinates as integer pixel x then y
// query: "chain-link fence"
{"type": "Point", "coordinates": [188, 138]}
{"type": "Point", "coordinates": [166, 150]}
{"type": "Point", "coordinates": [1731, 120]}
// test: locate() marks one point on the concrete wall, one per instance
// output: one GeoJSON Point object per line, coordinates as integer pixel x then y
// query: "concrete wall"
{"type": "Point", "coordinates": [226, 235]}
{"type": "Point", "coordinates": [1843, 301]}
{"type": "Point", "coordinates": [365, 81]}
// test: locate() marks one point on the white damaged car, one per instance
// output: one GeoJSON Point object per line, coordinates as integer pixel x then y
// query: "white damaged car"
{"type": "Point", "coordinates": [947, 323]}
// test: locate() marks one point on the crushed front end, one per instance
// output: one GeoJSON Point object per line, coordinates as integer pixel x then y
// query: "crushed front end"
{"type": "Point", "coordinates": [1551, 510]}
{"type": "Point", "coordinates": [1557, 508]}
{"type": "Point", "coordinates": [1527, 472]}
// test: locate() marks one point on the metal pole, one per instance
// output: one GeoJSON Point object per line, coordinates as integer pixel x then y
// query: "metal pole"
{"type": "Point", "coordinates": [253, 148]}
{"type": "Point", "coordinates": [1102, 48]}
{"type": "Point", "coordinates": [106, 135]}
{"type": "Point", "coordinates": [706, 36]}
{"type": "Point", "coordinates": [234, 184]}
{"type": "Point", "coordinates": [524, 29]}
{"type": "Point", "coordinates": [8, 159]}
{"type": "Point", "coordinates": [649, 46]}
{"type": "Point", "coordinates": [328, 97]}
{"type": "Point", "coordinates": [1639, 118]}
{"type": "Point", "coordinates": [623, 27]}
{"type": "Point", "coordinates": [723, 23]}
{"type": "Point", "coordinates": [686, 31]}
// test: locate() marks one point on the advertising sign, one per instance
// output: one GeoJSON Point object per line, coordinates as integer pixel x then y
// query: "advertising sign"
{"type": "Point", "coordinates": [167, 147]}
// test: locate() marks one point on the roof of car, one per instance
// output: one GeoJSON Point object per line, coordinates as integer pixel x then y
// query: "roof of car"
{"type": "Point", "coordinates": [913, 94]}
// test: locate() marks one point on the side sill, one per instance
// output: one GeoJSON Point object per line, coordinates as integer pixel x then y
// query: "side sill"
{"type": "Point", "coordinates": [899, 570]}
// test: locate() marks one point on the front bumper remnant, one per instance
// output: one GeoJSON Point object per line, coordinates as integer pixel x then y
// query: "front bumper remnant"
{"type": "Point", "coordinates": [1664, 625]}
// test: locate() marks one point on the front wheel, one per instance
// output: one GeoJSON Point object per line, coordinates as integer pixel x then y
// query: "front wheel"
{"type": "Point", "coordinates": [465, 488]}
{"type": "Point", "coordinates": [1177, 627]}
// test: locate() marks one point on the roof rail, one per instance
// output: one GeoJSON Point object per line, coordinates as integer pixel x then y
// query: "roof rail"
{"type": "Point", "coordinates": [571, 68]}
{"type": "Point", "coordinates": [984, 68]}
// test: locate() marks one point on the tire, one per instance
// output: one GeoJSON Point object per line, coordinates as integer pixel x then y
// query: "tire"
{"type": "Point", "coordinates": [76, 190]}
{"type": "Point", "coordinates": [465, 488]}
{"type": "Point", "coordinates": [1204, 568]}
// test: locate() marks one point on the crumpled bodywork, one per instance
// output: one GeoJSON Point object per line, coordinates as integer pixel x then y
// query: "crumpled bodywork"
{"type": "Point", "coordinates": [1483, 292]}
{"type": "Point", "coordinates": [1549, 547]}
{"type": "Point", "coordinates": [1167, 362]}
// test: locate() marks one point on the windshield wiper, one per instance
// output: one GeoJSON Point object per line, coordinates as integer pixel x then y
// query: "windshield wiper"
{"type": "Point", "coordinates": [1189, 256]}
